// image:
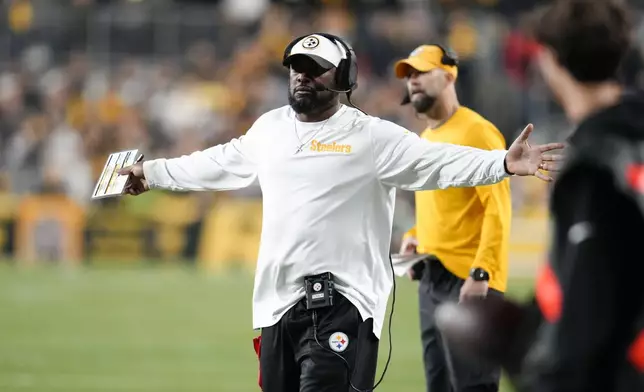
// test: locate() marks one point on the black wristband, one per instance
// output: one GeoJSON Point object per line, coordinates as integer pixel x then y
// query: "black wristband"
{"type": "Point", "coordinates": [505, 166]}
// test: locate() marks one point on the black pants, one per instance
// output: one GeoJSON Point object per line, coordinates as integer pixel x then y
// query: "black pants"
{"type": "Point", "coordinates": [444, 371]}
{"type": "Point", "coordinates": [291, 360]}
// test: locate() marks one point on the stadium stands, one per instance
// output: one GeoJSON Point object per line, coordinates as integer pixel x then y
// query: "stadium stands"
{"type": "Point", "coordinates": [82, 79]}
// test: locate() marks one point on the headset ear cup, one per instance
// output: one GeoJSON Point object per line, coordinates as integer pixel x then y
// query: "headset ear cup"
{"type": "Point", "coordinates": [347, 71]}
{"type": "Point", "coordinates": [340, 79]}
{"type": "Point", "coordinates": [350, 69]}
{"type": "Point", "coordinates": [449, 60]}
{"type": "Point", "coordinates": [352, 76]}
{"type": "Point", "coordinates": [449, 57]}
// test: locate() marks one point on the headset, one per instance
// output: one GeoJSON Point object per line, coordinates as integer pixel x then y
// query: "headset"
{"type": "Point", "coordinates": [346, 74]}
{"type": "Point", "coordinates": [449, 58]}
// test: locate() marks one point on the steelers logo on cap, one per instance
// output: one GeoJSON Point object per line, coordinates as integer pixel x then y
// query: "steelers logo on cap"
{"type": "Point", "coordinates": [310, 42]}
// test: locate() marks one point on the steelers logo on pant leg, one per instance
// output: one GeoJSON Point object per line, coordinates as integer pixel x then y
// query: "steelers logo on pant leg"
{"type": "Point", "coordinates": [338, 342]}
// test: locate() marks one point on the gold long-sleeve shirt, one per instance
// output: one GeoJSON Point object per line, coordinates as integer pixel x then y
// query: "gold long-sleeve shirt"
{"type": "Point", "coordinates": [467, 227]}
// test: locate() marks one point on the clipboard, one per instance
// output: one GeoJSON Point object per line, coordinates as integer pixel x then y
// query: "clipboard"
{"type": "Point", "coordinates": [402, 263]}
{"type": "Point", "coordinates": [110, 183]}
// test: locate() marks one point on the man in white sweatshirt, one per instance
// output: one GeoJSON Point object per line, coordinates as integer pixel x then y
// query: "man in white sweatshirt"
{"type": "Point", "coordinates": [328, 174]}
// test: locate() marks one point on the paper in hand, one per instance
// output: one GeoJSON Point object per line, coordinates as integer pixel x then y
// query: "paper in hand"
{"type": "Point", "coordinates": [402, 263]}
{"type": "Point", "coordinates": [110, 183]}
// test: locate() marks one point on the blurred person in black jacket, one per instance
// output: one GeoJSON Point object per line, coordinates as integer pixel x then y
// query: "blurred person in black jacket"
{"type": "Point", "coordinates": [584, 330]}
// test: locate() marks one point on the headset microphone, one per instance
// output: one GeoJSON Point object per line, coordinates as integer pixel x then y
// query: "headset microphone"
{"type": "Point", "coordinates": [322, 88]}
{"type": "Point", "coordinates": [337, 91]}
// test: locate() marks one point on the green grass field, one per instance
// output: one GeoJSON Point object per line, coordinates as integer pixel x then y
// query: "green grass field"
{"type": "Point", "coordinates": [154, 329]}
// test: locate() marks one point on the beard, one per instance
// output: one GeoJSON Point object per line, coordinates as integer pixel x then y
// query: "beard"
{"type": "Point", "coordinates": [423, 103]}
{"type": "Point", "coordinates": [310, 103]}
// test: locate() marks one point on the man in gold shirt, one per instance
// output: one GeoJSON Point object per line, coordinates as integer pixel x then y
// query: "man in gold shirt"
{"type": "Point", "coordinates": [464, 231]}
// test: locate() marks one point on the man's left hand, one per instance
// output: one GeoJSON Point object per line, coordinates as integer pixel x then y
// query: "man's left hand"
{"type": "Point", "coordinates": [472, 289]}
{"type": "Point", "coordinates": [523, 159]}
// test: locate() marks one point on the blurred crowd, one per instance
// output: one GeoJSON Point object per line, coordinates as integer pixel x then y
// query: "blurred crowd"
{"type": "Point", "coordinates": [80, 79]}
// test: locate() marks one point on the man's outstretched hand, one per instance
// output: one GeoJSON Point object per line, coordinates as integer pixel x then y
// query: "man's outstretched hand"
{"type": "Point", "coordinates": [136, 183]}
{"type": "Point", "coordinates": [523, 159]}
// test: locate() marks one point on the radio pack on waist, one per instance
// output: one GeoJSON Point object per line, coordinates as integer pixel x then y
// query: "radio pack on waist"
{"type": "Point", "coordinates": [320, 290]}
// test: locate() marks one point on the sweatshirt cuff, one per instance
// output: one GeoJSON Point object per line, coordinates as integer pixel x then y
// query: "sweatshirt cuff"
{"type": "Point", "coordinates": [151, 173]}
{"type": "Point", "coordinates": [506, 172]}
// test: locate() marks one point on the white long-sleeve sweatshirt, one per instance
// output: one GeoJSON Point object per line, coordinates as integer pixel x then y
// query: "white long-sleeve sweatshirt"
{"type": "Point", "coordinates": [329, 207]}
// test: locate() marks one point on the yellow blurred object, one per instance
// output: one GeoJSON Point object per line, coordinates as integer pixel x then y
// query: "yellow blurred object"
{"type": "Point", "coordinates": [217, 96]}
{"type": "Point", "coordinates": [8, 211]}
{"type": "Point", "coordinates": [275, 44]}
{"type": "Point", "coordinates": [529, 243]}
{"type": "Point", "coordinates": [110, 108]}
{"type": "Point", "coordinates": [231, 234]}
{"type": "Point", "coordinates": [21, 15]}
{"type": "Point", "coordinates": [338, 19]}
{"type": "Point", "coordinates": [530, 236]}
{"type": "Point", "coordinates": [42, 216]}
{"type": "Point", "coordinates": [76, 113]}
{"type": "Point", "coordinates": [116, 234]}
{"type": "Point", "coordinates": [8, 205]}
{"type": "Point", "coordinates": [534, 196]}
{"type": "Point", "coordinates": [172, 213]}
{"type": "Point", "coordinates": [463, 38]}
{"type": "Point", "coordinates": [97, 163]}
